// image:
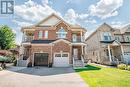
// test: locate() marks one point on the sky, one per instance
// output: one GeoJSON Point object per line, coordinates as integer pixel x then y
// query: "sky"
{"type": "Point", "coordinates": [90, 14]}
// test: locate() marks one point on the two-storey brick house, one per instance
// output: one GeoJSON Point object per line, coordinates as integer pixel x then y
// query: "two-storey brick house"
{"type": "Point", "coordinates": [108, 45]}
{"type": "Point", "coordinates": [52, 42]}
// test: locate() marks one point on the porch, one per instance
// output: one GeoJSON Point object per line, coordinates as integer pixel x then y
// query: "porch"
{"type": "Point", "coordinates": [114, 54]}
{"type": "Point", "coordinates": [78, 56]}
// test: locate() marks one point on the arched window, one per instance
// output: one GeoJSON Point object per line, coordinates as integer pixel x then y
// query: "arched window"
{"type": "Point", "coordinates": [61, 33]}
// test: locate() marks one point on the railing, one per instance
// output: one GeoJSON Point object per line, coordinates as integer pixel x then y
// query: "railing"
{"type": "Point", "coordinates": [82, 59]}
{"type": "Point", "coordinates": [78, 39]}
{"type": "Point", "coordinates": [28, 60]}
{"type": "Point", "coordinates": [115, 60]}
{"type": "Point", "coordinates": [27, 39]}
{"type": "Point", "coordinates": [73, 62]}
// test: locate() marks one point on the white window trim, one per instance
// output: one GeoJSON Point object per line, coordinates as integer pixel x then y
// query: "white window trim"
{"type": "Point", "coordinates": [58, 33]}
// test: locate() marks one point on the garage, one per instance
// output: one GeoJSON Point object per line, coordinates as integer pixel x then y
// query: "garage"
{"type": "Point", "coordinates": [61, 60]}
{"type": "Point", "coordinates": [41, 59]}
{"type": "Point", "coordinates": [127, 58]}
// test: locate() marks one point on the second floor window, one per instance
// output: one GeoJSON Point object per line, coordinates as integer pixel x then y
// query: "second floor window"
{"type": "Point", "coordinates": [107, 36]}
{"type": "Point", "coordinates": [117, 38]}
{"type": "Point", "coordinates": [46, 34]}
{"type": "Point", "coordinates": [40, 34]}
{"type": "Point", "coordinates": [128, 38]}
{"type": "Point", "coordinates": [61, 33]}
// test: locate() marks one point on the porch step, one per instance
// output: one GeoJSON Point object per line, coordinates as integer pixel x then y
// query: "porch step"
{"type": "Point", "coordinates": [22, 63]}
{"type": "Point", "coordinates": [78, 64]}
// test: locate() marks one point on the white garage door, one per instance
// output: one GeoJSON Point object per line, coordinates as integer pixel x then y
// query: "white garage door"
{"type": "Point", "coordinates": [61, 60]}
{"type": "Point", "coordinates": [127, 58]}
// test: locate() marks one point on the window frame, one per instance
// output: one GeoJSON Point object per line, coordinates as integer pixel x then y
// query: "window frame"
{"type": "Point", "coordinates": [128, 38]}
{"type": "Point", "coordinates": [108, 35]}
{"type": "Point", "coordinates": [61, 34]}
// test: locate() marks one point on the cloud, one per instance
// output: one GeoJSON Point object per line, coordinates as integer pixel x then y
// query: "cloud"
{"type": "Point", "coordinates": [31, 11]}
{"type": "Point", "coordinates": [118, 24]}
{"type": "Point", "coordinates": [73, 17]}
{"type": "Point", "coordinates": [45, 2]}
{"type": "Point", "coordinates": [105, 8]}
{"type": "Point", "coordinates": [74, 1]}
{"type": "Point", "coordinates": [22, 23]}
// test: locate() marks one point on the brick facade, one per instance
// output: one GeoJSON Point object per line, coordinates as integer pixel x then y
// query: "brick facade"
{"type": "Point", "coordinates": [40, 49]}
{"type": "Point", "coordinates": [51, 49]}
{"type": "Point", "coordinates": [52, 44]}
{"type": "Point", "coordinates": [52, 32]}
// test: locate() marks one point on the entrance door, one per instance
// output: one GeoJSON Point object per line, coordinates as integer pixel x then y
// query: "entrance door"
{"type": "Point", "coordinates": [75, 53]}
{"type": "Point", "coordinates": [40, 59]}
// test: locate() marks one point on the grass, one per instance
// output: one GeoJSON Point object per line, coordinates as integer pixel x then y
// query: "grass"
{"type": "Point", "coordinates": [96, 76]}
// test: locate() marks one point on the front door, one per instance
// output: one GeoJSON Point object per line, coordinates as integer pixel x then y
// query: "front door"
{"type": "Point", "coordinates": [75, 53]}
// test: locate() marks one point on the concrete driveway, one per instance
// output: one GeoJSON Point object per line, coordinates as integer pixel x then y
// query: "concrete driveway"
{"type": "Point", "coordinates": [40, 77]}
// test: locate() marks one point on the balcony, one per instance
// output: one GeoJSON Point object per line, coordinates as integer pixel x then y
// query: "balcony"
{"type": "Point", "coordinates": [27, 39]}
{"type": "Point", "coordinates": [78, 39]}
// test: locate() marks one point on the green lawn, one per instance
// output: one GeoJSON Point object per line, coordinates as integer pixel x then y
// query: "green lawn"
{"type": "Point", "coordinates": [96, 76]}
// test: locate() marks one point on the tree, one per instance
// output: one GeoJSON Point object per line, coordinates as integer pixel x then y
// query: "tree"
{"type": "Point", "coordinates": [7, 37]}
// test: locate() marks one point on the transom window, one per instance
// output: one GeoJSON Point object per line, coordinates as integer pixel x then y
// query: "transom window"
{"type": "Point", "coordinates": [61, 33]}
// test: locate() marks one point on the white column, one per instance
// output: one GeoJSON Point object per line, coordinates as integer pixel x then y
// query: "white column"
{"type": "Point", "coordinates": [23, 50]}
{"type": "Point", "coordinates": [82, 48]}
{"type": "Point", "coordinates": [70, 56]}
{"type": "Point", "coordinates": [24, 34]}
{"type": "Point", "coordinates": [122, 51]}
{"type": "Point", "coordinates": [110, 57]}
{"type": "Point", "coordinates": [81, 36]}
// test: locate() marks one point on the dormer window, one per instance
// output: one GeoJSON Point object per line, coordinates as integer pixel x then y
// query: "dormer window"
{"type": "Point", "coordinates": [107, 36]}
{"type": "Point", "coordinates": [61, 33]}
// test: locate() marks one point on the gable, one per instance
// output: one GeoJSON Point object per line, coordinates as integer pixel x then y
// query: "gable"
{"type": "Point", "coordinates": [50, 21]}
{"type": "Point", "coordinates": [61, 40]}
{"type": "Point", "coordinates": [115, 43]}
{"type": "Point", "coordinates": [105, 28]}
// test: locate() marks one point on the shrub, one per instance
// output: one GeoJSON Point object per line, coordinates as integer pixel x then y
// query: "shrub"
{"type": "Point", "coordinates": [1, 69]}
{"type": "Point", "coordinates": [15, 62]}
{"type": "Point", "coordinates": [29, 64]}
{"type": "Point", "coordinates": [128, 68]}
{"type": "Point", "coordinates": [122, 66]}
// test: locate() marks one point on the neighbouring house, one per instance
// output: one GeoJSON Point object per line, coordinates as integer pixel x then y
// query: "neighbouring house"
{"type": "Point", "coordinates": [108, 45]}
{"type": "Point", "coordinates": [52, 42]}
